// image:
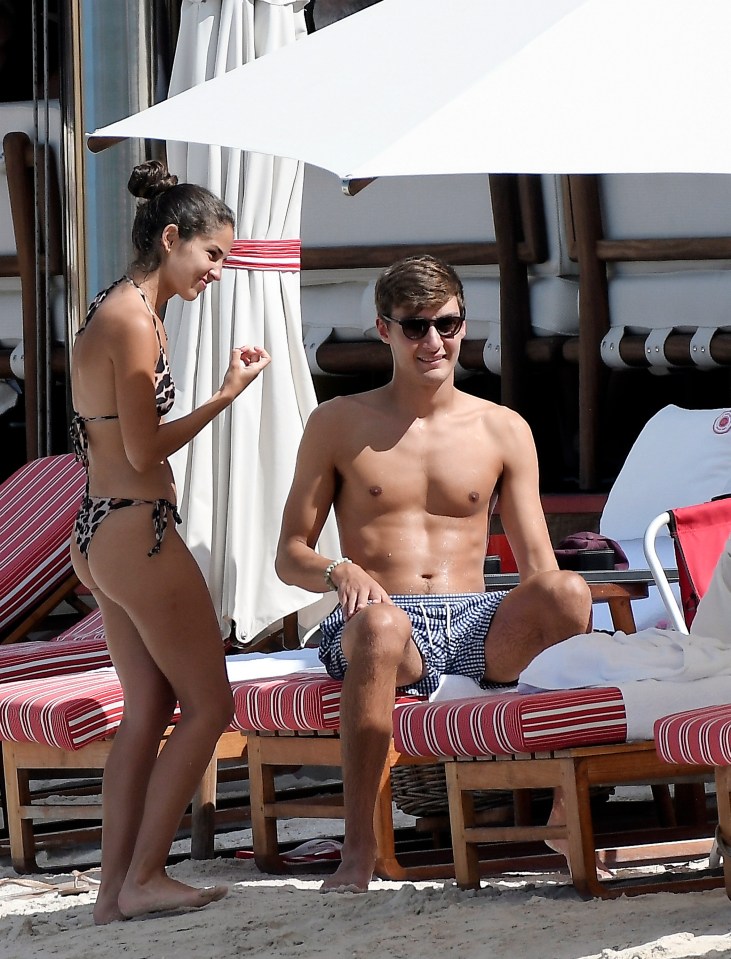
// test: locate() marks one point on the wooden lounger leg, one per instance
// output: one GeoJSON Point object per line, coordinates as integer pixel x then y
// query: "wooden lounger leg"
{"type": "Point", "coordinates": [262, 795]}
{"type": "Point", "coordinates": [723, 798]}
{"type": "Point", "coordinates": [387, 866]}
{"type": "Point", "coordinates": [203, 824]}
{"type": "Point", "coordinates": [17, 796]}
{"type": "Point", "coordinates": [462, 816]}
{"type": "Point", "coordinates": [579, 828]}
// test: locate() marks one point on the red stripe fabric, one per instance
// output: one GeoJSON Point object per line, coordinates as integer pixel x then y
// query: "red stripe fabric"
{"type": "Point", "coordinates": [29, 661]}
{"type": "Point", "coordinates": [38, 505]}
{"type": "Point", "coordinates": [90, 627]}
{"type": "Point", "coordinates": [696, 736]}
{"type": "Point", "coordinates": [68, 713]}
{"type": "Point", "coordinates": [699, 534]}
{"type": "Point", "coordinates": [507, 723]}
{"type": "Point", "coordinates": [297, 702]}
{"type": "Point", "coordinates": [280, 255]}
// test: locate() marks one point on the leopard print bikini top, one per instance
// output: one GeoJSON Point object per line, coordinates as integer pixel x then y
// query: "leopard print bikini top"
{"type": "Point", "coordinates": [164, 385]}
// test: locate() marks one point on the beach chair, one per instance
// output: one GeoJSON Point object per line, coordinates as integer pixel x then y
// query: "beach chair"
{"type": "Point", "coordinates": [698, 736]}
{"type": "Point", "coordinates": [515, 743]}
{"type": "Point", "coordinates": [472, 747]}
{"type": "Point", "coordinates": [702, 737]}
{"type": "Point", "coordinates": [65, 724]}
{"type": "Point", "coordinates": [38, 505]}
{"type": "Point", "coordinates": [699, 534]}
{"type": "Point", "coordinates": [294, 720]}
{"type": "Point", "coordinates": [573, 739]}
{"type": "Point", "coordinates": [647, 483]}
{"type": "Point", "coordinates": [79, 648]}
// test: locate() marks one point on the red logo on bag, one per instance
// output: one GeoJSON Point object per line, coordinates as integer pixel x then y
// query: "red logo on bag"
{"type": "Point", "coordinates": [723, 422]}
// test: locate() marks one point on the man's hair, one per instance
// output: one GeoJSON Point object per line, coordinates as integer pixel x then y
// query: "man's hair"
{"type": "Point", "coordinates": [416, 282]}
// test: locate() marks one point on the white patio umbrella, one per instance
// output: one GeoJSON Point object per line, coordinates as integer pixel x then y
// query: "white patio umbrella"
{"type": "Point", "coordinates": [411, 87]}
{"type": "Point", "coordinates": [233, 478]}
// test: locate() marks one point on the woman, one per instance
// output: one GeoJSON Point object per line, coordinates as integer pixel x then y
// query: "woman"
{"type": "Point", "coordinates": [161, 628]}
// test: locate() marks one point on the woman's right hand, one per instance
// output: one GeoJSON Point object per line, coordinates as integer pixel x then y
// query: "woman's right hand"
{"type": "Point", "coordinates": [245, 365]}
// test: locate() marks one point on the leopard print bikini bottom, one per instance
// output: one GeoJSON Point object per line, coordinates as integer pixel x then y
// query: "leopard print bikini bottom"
{"type": "Point", "coordinates": [95, 509]}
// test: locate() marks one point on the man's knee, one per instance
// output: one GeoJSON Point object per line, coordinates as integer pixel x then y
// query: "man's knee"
{"type": "Point", "coordinates": [574, 588]}
{"type": "Point", "coordinates": [380, 631]}
{"type": "Point", "coordinates": [569, 598]}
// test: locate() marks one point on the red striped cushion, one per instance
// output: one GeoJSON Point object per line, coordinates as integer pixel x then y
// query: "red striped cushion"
{"type": "Point", "coordinates": [68, 713]}
{"type": "Point", "coordinates": [698, 736]}
{"type": "Point", "coordinates": [29, 661]}
{"type": "Point", "coordinates": [38, 505]}
{"type": "Point", "coordinates": [509, 723]}
{"type": "Point", "coordinates": [90, 627]}
{"type": "Point", "coordinates": [299, 702]}
{"type": "Point", "coordinates": [78, 649]}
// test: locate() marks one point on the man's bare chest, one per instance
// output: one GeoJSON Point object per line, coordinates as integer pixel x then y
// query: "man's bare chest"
{"type": "Point", "coordinates": [444, 479]}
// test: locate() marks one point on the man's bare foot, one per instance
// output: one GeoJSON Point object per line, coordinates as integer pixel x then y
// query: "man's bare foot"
{"type": "Point", "coordinates": [352, 875]}
{"type": "Point", "coordinates": [163, 894]}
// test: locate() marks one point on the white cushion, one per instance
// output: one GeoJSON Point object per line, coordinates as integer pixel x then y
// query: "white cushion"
{"type": "Point", "coordinates": [681, 457]}
{"type": "Point", "coordinates": [636, 206]}
{"type": "Point", "coordinates": [672, 300]}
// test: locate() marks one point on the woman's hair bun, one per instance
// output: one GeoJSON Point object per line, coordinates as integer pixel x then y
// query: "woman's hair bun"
{"type": "Point", "coordinates": [149, 179]}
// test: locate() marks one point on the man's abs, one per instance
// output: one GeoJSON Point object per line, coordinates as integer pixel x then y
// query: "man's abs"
{"type": "Point", "coordinates": [443, 555]}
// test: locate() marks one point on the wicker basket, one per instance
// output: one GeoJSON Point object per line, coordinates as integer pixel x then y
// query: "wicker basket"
{"type": "Point", "coordinates": [422, 791]}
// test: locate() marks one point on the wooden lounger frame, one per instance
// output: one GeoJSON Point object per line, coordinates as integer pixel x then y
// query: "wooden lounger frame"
{"type": "Point", "coordinates": [20, 759]}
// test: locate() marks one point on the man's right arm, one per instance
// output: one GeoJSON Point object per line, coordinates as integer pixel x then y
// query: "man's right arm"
{"type": "Point", "coordinates": [309, 502]}
{"type": "Point", "coordinates": [308, 505]}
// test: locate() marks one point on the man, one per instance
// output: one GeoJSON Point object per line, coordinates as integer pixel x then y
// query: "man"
{"type": "Point", "coordinates": [414, 470]}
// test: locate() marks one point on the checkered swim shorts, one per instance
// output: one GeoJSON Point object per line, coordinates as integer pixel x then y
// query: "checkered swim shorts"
{"type": "Point", "coordinates": [449, 631]}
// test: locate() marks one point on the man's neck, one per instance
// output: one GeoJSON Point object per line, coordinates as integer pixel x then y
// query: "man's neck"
{"type": "Point", "coordinates": [423, 399]}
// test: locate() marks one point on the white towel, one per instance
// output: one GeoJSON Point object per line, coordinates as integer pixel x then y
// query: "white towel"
{"type": "Point", "coordinates": [264, 665]}
{"type": "Point", "coordinates": [650, 699]}
{"type": "Point", "coordinates": [659, 671]}
{"type": "Point", "coordinates": [598, 658]}
{"type": "Point", "coordinates": [601, 659]}
{"type": "Point", "coordinates": [462, 687]}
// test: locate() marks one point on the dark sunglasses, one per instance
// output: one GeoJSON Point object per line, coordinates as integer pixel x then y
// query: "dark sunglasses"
{"type": "Point", "coordinates": [416, 328]}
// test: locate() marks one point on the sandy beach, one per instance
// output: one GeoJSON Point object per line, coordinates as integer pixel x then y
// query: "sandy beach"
{"type": "Point", "coordinates": [528, 917]}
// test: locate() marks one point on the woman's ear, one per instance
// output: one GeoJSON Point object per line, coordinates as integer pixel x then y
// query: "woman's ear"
{"type": "Point", "coordinates": [169, 236]}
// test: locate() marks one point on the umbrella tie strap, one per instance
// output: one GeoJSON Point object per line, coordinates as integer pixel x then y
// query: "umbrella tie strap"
{"type": "Point", "coordinates": [281, 255]}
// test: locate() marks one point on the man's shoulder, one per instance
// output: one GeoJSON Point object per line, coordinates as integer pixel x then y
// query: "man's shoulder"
{"type": "Point", "coordinates": [346, 404]}
{"type": "Point", "coordinates": [493, 413]}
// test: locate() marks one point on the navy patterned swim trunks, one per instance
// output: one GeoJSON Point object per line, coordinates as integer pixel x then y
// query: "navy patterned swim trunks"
{"type": "Point", "coordinates": [449, 631]}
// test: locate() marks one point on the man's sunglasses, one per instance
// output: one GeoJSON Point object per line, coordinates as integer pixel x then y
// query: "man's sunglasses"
{"type": "Point", "coordinates": [416, 328]}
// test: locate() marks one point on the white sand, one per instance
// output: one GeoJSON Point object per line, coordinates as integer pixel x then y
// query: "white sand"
{"type": "Point", "coordinates": [272, 916]}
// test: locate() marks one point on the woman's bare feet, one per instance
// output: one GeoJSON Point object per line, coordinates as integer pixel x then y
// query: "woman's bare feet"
{"type": "Point", "coordinates": [163, 894]}
{"type": "Point", "coordinates": [106, 909]}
